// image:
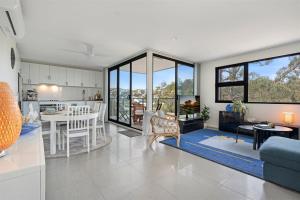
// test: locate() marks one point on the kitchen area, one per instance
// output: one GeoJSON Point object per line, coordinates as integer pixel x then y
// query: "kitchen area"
{"type": "Point", "coordinates": [48, 86]}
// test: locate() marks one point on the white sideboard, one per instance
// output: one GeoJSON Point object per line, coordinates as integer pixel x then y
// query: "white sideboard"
{"type": "Point", "coordinates": [22, 170]}
{"type": "Point", "coordinates": [33, 73]}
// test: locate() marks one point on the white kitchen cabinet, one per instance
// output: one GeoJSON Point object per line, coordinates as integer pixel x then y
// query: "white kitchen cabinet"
{"type": "Point", "coordinates": [45, 74]}
{"type": "Point", "coordinates": [30, 73]}
{"type": "Point", "coordinates": [73, 77]}
{"type": "Point", "coordinates": [58, 75]}
{"type": "Point", "coordinates": [85, 78]}
{"type": "Point", "coordinates": [34, 74]}
{"type": "Point", "coordinates": [25, 72]}
{"type": "Point", "coordinates": [98, 79]}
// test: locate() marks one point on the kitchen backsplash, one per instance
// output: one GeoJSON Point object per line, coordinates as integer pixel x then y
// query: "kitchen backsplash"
{"type": "Point", "coordinates": [53, 92]}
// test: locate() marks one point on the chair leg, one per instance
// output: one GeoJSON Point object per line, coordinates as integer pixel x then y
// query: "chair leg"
{"type": "Point", "coordinates": [84, 142]}
{"type": "Point", "coordinates": [59, 139]}
{"type": "Point", "coordinates": [151, 139]}
{"type": "Point", "coordinates": [63, 142]}
{"type": "Point", "coordinates": [104, 132]}
{"type": "Point", "coordinates": [178, 140]}
{"type": "Point", "coordinates": [100, 131]}
{"type": "Point", "coordinates": [68, 147]}
{"type": "Point", "coordinates": [88, 142]}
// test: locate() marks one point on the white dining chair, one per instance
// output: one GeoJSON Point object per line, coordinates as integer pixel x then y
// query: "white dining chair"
{"type": "Point", "coordinates": [46, 125]}
{"type": "Point", "coordinates": [96, 106]}
{"type": "Point", "coordinates": [77, 125]}
{"type": "Point", "coordinates": [100, 127]}
{"type": "Point", "coordinates": [60, 125]}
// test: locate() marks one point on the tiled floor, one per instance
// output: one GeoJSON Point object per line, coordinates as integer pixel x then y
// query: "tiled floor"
{"type": "Point", "coordinates": [126, 170]}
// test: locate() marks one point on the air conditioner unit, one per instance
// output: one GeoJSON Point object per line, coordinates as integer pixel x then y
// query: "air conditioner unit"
{"type": "Point", "coordinates": [11, 18]}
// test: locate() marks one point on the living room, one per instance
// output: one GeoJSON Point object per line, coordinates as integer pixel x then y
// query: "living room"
{"type": "Point", "coordinates": [149, 99]}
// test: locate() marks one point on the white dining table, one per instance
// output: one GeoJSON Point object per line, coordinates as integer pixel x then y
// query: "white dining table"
{"type": "Point", "coordinates": [62, 116]}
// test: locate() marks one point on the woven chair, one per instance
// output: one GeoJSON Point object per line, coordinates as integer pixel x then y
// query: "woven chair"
{"type": "Point", "coordinates": [167, 126]}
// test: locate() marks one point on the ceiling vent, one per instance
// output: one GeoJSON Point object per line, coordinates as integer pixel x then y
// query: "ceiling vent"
{"type": "Point", "coordinates": [11, 19]}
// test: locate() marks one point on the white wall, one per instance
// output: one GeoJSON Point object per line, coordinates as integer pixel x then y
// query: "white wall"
{"type": "Point", "coordinates": [7, 74]}
{"type": "Point", "coordinates": [270, 112]}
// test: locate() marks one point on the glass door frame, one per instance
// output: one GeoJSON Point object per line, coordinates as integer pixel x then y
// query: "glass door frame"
{"type": "Point", "coordinates": [177, 63]}
{"type": "Point", "coordinates": [117, 67]}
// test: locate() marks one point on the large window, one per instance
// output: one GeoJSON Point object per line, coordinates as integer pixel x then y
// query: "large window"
{"type": "Point", "coordinates": [164, 88]}
{"type": "Point", "coordinates": [272, 80]}
{"type": "Point", "coordinates": [185, 80]}
{"type": "Point", "coordinates": [230, 81]}
{"type": "Point", "coordinates": [171, 78]}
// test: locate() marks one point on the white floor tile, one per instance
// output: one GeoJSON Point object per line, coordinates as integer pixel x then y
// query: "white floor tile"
{"type": "Point", "coordinates": [128, 170]}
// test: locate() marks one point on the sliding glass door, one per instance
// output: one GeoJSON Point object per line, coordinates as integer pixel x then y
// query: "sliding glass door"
{"type": "Point", "coordinates": [127, 92]}
{"type": "Point", "coordinates": [124, 94]}
{"type": "Point", "coordinates": [164, 85]}
{"type": "Point", "coordinates": [113, 94]}
{"type": "Point", "coordinates": [138, 92]}
{"type": "Point", "coordinates": [128, 88]}
{"type": "Point", "coordinates": [171, 79]}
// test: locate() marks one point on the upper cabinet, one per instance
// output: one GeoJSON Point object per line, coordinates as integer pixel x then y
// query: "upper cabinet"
{"type": "Point", "coordinates": [58, 75]}
{"type": "Point", "coordinates": [25, 72]}
{"type": "Point", "coordinates": [92, 78]}
{"type": "Point", "coordinates": [85, 78]}
{"type": "Point", "coordinates": [34, 74]}
{"type": "Point", "coordinates": [73, 77]}
{"type": "Point", "coordinates": [45, 74]}
{"type": "Point", "coordinates": [99, 79]}
{"type": "Point", "coordinates": [48, 74]}
{"type": "Point", "coordinates": [30, 73]}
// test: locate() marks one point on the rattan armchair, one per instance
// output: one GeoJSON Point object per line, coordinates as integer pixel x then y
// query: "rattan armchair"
{"type": "Point", "coordinates": [167, 126]}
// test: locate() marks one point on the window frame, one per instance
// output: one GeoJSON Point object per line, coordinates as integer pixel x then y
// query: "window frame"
{"type": "Point", "coordinates": [176, 62]}
{"type": "Point", "coordinates": [245, 82]}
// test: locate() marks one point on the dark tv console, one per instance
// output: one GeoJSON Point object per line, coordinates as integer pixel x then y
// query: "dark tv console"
{"type": "Point", "coordinates": [190, 124]}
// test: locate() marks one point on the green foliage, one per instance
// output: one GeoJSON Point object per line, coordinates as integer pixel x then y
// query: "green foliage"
{"type": "Point", "coordinates": [239, 106]}
{"type": "Point", "coordinates": [165, 93]}
{"type": "Point", "coordinates": [285, 87]}
{"type": "Point", "coordinates": [204, 115]}
{"type": "Point", "coordinates": [186, 87]}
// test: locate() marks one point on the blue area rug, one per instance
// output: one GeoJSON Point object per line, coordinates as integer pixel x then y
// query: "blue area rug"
{"type": "Point", "coordinates": [192, 143]}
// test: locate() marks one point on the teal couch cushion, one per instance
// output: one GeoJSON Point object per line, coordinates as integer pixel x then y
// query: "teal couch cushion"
{"type": "Point", "coordinates": [282, 152]}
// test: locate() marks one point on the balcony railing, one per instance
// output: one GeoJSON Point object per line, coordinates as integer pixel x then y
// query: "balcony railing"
{"type": "Point", "coordinates": [168, 106]}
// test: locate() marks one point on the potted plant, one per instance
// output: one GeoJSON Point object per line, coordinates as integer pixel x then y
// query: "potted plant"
{"type": "Point", "coordinates": [239, 106]}
{"type": "Point", "coordinates": [204, 115]}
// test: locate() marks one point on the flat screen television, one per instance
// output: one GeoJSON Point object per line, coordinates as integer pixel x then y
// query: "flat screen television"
{"type": "Point", "coordinates": [189, 105]}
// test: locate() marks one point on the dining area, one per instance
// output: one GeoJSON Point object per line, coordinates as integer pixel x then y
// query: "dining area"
{"type": "Point", "coordinates": [73, 129]}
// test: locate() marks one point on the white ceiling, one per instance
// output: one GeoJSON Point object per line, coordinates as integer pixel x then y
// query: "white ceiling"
{"type": "Point", "coordinates": [197, 30]}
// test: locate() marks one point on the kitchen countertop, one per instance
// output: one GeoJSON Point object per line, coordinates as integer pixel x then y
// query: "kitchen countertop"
{"type": "Point", "coordinates": [25, 156]}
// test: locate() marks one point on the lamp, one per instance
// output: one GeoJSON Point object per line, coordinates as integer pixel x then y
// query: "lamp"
{"type": "Point", "coordinates": [10, 118]}
{"type": "Point", "coordinates": [288, 117]}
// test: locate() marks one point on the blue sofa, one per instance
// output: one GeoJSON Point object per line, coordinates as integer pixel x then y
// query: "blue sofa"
{"type": "Point", "coordinates": [281, 158]}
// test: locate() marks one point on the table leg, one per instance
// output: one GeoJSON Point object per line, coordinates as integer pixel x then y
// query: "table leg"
{"type": "Point", "coordinates": [237, 135]}
{"type": "Point", "coordinates": [259, 138]}
{"type": "Point", "coordinates": [254, 139]}
{"type": "Point", "coordinates": [94, 134]}
{"type": "Point", "coordinates": [52, 137]}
